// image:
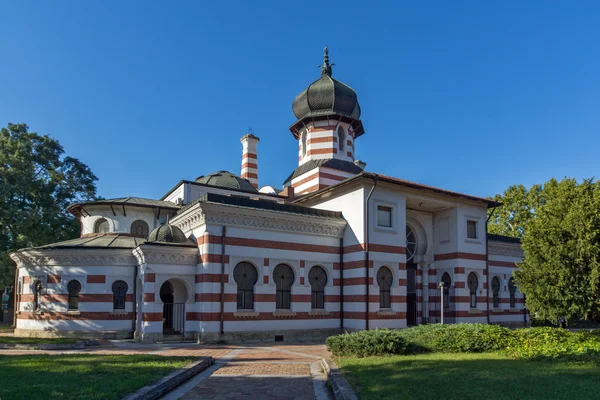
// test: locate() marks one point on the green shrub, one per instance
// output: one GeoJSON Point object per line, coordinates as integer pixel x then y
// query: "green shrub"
{"type": "Point", "coordinates": [542, 343]}
{"type": "Point", "coordinates": [367, 343]}
{"type": "Point", "coordinates": [459, 338]}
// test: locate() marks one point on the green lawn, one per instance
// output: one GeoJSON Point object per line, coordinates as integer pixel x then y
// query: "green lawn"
{"type": "Point", "coordinates": [5, 328]}
{"type": "Point", "coordinates": [468, 376]}
{"type": "Point", "coordinates": [31, 340]}
{"type": "Point", "coordinates": [81, 376]}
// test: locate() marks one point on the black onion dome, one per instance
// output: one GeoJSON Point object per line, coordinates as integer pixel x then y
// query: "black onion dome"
{"type": "Point", "coordinates": [326, 96]}
{"type": "Point", "coordinates": [226, 180]}
{"type": "Point", "coordinates": [167, 234]}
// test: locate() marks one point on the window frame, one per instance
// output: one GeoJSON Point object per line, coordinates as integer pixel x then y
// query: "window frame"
{"type": "Point", "coordinates": [446, 293]}
{"type": "Point", "coordinates": [473, 291]}
{"type": "Point", "coordinates": [496, 292]}
{"type": "Point", "coordinates": [73, 297]}
{"type": "Point", "coordinates": [341, 138]}
{"type": "Point", "coordinates": [99, 222]}
{"type": "Point", "coordinates": [245, 295]}
{"type": "Point", "coordinates": [512, 290]}
{"type": "Point", "coordinates": [317, 294]}
{"type": "Point", "coordinates": [117, 298]}
{"type": "Point", "coordinates": [139, 222]}
{"type": "Point", "coordinates": [283, 288]}
{"type": "Point", "coordinates": [385, 287]}
{"type": "Point", "coordinates": [391, 216]}
{"type": "Point", "coordinates": [476, 229]}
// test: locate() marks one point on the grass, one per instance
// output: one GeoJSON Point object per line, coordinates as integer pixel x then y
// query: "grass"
{"type": "Point", "coordinates": [6, 328]}
{"type": "Point", "coordinates": [468, 376]}
{"type": "Point", "coordinates": [81, 376]}
{"type": "Point", "coordinates": [33, 340]}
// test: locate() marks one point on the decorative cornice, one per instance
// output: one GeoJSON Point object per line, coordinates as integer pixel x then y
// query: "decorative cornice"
{"type": "Point", "coordinates": [148, 254]}
{"type": "Point", "coordinates": [50, 257]}
{"type": "Point", "coordinates": [505, 249]}
{"type": "Point", "coordinates": [270, 220]}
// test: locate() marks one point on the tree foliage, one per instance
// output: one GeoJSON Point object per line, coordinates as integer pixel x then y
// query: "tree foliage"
{"type": "Point", "coordinates": [560, 274]}
{"type": "Point", "coordinates": [37, 183]}
{"type": "Point", "coordinates": [518, 208]}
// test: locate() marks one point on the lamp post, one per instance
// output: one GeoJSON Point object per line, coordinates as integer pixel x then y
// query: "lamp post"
{"type": "Point", "coordinates": [441, 286]}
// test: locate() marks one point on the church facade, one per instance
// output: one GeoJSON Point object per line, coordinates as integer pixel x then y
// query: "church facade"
{"type": "Point", "coordinates": [339, 248]}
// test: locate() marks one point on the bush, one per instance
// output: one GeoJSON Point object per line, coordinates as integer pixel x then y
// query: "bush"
{"type": "Point", "coordinates": [459, 338]}
{"type": "Point", "coordinates": [367, 343]}
{"type": "Point", "coordinates": [555, 344]}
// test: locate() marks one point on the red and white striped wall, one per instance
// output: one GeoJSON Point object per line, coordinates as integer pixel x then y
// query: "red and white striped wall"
{"type": "Point", "coordinates": [323, 142]}
{"type": "Point", "coordinates": [318, 178]}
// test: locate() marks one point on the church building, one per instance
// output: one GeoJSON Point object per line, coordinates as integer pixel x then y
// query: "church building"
{"type": "Point", "coordinates": [222, 259]}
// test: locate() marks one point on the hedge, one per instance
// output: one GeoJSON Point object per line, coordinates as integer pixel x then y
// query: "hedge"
{"type": "Point", "coordinates": [540, 343]}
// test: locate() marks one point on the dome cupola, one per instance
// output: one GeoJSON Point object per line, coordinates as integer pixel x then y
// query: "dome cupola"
{"type": "Point", "coordinates": [167, 234]}
{"type": "Point", "coordinates": [226, 180]}
{"type": "Point", "coordinates": [327, 97]}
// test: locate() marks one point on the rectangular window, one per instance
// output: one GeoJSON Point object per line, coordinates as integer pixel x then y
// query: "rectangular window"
{"type": "Point", "coordinates": [384, 216]}
{"type": "Point", "coordinates": [471, 229]}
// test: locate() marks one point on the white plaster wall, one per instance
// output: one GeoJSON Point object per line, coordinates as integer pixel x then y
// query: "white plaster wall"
{"type": "Point", "coordinates": [121, 223]}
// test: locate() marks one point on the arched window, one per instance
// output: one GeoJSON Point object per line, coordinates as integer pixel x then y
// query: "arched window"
{"type": "Point", "coordinates": [101, 226]}
{"type": "Point", "coordinates": [411, 243]}
{"type": "Point", "coordinates": [317, 277]}
{"type": "Point", "coordinates": [139, 228]}
{"type": "Point", "coordinates": [245, 276]}
{"type": "Point", "coordinates": [447, 281]}
{"type": "Point", "coordinates": [512, 289]}
{"type": "Point", "coordinates": [384, 280]}
{"type": "Point", "coordinates": [119, 289]}
{"type": "Point", "coordinates": [284, 279]}
{"type": "Point", "coordinates": [37, 293]}
{"type": "Point", "coordinates": [304, 139]}
{"type": "Point", "coordinates": [341, 138]}
{"type": "Point", "coordinates": [473, 283]}
{"type": "Point", "coordinates": [74, 287]}
{"type": "Point", "coordinates": [496, 291]}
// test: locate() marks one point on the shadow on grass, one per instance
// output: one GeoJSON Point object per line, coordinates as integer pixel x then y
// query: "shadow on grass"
{"type": "Point", "coordinates": [469, 376]}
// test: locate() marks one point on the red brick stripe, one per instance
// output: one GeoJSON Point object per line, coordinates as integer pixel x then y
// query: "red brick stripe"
{"type": "Point", "coordinates": [53, 278]}
{"type": "Point", "coordinates": [200, 278]}
{"type": "Point", "coordinates": [59, 316]}
{"type": "Point", "coordinates": [149, 297]}
{"type": "Point", "coordinates": [149, 277]}
{"type": "Point", "coordinates": [508, 264]}
{"type": "Point", "coordinates": [248, 155]}
{"type": "Point", "coordinates": [96, 279]}
{"type": "Point", "coordinates": [152, 316]}
{"type": "Point", "coordinates": [459, 255]}
{"type": "Point", "coordinates": [250, 165]}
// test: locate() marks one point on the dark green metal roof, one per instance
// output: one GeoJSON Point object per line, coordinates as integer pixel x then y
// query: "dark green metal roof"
{"type": "Point", "coordinates": [262, 205]}
{"type": "Point", "coordinates": [127, 201]}
{"type": "Point", "coordinates": [333, 163]}
{"type": "Point", "coordinates": [167, 234]}
{"type": "Point", "coordinates": [502, 238]}
{"type": "Point", "coordinates": [326, 96]}
{"type": "Point", "coordinates": [226, 180]}
{"type": "Point", "coordinates": [98, 241]}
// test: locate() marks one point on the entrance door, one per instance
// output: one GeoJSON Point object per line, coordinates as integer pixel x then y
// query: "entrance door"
{"type": "Point", "coordinates": [411, 294]}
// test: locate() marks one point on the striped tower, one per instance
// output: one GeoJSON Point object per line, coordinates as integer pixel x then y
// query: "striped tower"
{"type": "Point", "coordinates": [328, 122]}
{"type": "Point", "coordinates": [249, 159]}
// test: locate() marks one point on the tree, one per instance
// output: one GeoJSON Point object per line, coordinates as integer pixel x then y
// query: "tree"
{"type": "Point", "coordinates": [560, 273]}
{"type": "Point", "coordinates": [37, 183]}
{"type": "Point", "coordinates": [518, 208]}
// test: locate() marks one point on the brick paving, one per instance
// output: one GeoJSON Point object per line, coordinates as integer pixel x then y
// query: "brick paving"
{"type": "Point", "coordinates": [263, 369]}
{"type": "Point", "coordinates": [224, 387]}
{"type": "Point", "coordinates": [262, 373]}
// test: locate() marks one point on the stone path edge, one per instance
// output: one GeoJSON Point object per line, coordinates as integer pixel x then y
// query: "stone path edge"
{"type": "Point", "coordinates": [339, 385]}
{"type": "Point", "coordinates": [171, 381]}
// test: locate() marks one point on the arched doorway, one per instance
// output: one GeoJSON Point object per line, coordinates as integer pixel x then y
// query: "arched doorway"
{"type": "Point", "coordinates": [173, 295]}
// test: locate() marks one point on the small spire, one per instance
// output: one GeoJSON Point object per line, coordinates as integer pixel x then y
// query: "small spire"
{"type": "Point", "coordinates": [326, 67]}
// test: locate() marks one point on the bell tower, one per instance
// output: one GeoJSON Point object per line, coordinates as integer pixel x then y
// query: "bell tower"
{"type": "Point", "coordinates": [328, 123]}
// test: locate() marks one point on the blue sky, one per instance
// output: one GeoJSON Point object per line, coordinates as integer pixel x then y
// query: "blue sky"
{"type": "Point", "coordinates": [468, 96]}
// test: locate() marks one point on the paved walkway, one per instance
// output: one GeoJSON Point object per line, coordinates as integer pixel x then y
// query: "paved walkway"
{"type": "Point", "coordinates": [254, 371]}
